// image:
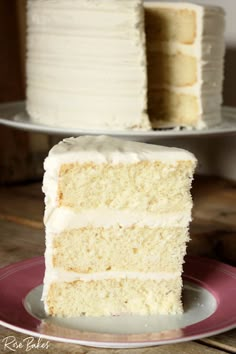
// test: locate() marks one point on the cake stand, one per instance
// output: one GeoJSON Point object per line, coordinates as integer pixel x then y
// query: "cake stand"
{"type": "Point", "coordinates": [214, 147]}
{"type": "Point", "coordinates": [14, 115]}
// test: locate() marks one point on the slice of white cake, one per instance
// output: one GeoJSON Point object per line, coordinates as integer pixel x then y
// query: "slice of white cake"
{"type": "Point", "coordinates": [117, 217]}
{"type": "Point", "coordinates": [185, 52]}
{"type": "Point", "coordinates": [86, 64]}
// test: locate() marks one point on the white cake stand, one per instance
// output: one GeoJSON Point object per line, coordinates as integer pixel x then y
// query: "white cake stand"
{"type": "Point", "coordinates": [214, 147]}
{"type": "Point", "coordinates": [14, 115]}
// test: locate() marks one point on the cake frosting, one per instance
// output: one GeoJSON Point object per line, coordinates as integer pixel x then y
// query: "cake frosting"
{"type": "Point", "coordinates": [105, 149]}
{"type": "Point", "coordinates": [86, 64]}
{"type": "Point", "coordinates": [61, 219]}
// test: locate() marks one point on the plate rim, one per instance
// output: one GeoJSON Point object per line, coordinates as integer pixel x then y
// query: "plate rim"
{"type": "Point", "coordinates": [10, 269]}
{"type": "Point", "coordinates": [132, 134]}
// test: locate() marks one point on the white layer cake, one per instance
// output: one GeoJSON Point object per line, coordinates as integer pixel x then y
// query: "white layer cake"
{"type": "Point", "coordinates": [86, 64]}
{"type": "Point", "coordinates": [117, 217]}
{"type": "Point", "coordinates": [185, 51]}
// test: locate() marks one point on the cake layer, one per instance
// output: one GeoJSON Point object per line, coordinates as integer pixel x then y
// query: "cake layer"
{"type": "Point", "coordinates": [210, 85]}
{"type": "Point", "coordinates": [109, 162]}
{"type": "Point", "coordinates": [175, 70]}
{"type": "Point", "coordinates": [182, 22]}
{"type": "Point", "coordinates": [117, 249]}
{"type": "Point", "coordinates": [114, 297]}
{"type": "Point", "coordinates": [173, 107]}
{"type": "Point", "coordinates": [182, 73]}
{"type": "Point", "coordinates": [100, 186]}
{"type": "Point", "coordinates": [172, 24]}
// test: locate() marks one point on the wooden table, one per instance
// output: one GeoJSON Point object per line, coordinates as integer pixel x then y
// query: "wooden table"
{"type": "Point", "coordinates": [213, 234]}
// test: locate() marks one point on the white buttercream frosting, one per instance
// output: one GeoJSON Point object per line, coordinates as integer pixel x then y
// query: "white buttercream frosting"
{"type": "Point", "coordinates": [209, 49]}
{"type": "Point", "coordinates": [86, 64]}
{"type": "Point", "coordinates": [62, 275]}
{"type": "Point", "coordinates": [63, 218]}
{"type": "Point", "coordinates": [105, 149]}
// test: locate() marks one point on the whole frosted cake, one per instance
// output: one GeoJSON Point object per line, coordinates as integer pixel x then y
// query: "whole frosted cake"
{"type": "Point", "coordinates": [117, 217]}
{"type": "Point", "coordinates": [99, 64]}
{"type": "Point", "coordinates": [185, 49]}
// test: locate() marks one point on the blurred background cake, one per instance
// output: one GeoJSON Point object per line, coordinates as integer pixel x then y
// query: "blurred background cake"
{"type": "Point", "coordinates": [87, 65]}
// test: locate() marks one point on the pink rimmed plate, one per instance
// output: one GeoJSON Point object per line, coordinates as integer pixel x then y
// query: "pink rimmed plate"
{"type": "Point", "coordinates": [209, 300]}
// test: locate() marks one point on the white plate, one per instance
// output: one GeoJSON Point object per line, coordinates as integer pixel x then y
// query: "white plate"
{"type": "Point", "coordinates": [209, 309]}
{"type": "Point", "coordinates": [199, 305]}
{"type": "Point", "coordinates": [14, 115]}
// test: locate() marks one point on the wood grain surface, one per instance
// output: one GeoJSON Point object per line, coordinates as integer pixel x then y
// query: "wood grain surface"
{"type": "Point", "coordinates": [213, 234]}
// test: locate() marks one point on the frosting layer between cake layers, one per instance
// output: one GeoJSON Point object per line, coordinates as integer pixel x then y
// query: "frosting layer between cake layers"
{"type": "Point", "coordinates": [185, 49]}
{"type": "Point", "coordinates": [86, 64]}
